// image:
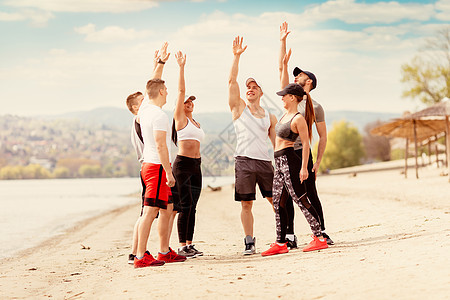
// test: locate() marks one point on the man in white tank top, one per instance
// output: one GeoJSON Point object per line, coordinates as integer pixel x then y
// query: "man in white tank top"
{"type": "Point", "coordinates": [253, 125]}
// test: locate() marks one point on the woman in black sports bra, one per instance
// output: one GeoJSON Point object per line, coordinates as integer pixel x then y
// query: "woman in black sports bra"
{"type": "Point", "coordinates": [288, 178]}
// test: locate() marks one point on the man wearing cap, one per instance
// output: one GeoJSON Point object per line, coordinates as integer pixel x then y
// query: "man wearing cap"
{"type": "Point", "coordinates": [309, 82]}
{"type": "Point", "coordinates": [253, 125]}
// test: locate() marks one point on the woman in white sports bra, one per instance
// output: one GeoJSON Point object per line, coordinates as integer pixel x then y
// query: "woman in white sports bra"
{"type": "Point", "coordinates": [187, 135]}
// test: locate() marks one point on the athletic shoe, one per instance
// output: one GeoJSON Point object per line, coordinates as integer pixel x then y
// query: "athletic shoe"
{"type": "Point", "coordinates": [249, 245]}
{"type": "Point", "coordinates": [187, 252]}
{"type": "Point", "coordinates": [329, 240]}
{"type": "Point", "coordinates": [192, 248]}
{"type": "Point", "coordinates": [292, 244]}
{"type": "Point", "coordinates": [170, 257]}
{"type": "Point", "coordinates": [131, 258]}
{"type": "Point", "coordinates": [147, 261]}
{"type": "Point", "coordinates": [316, 244]}
{"type": "Point", "coordinates": [276, 249]}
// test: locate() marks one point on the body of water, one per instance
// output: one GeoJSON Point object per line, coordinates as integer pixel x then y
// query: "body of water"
{"type": "Point", "coordinates": [35, 210]}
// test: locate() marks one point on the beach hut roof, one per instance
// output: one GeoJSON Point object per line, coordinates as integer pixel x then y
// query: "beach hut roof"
{"type": "Point", "coordinates": [440, 109]}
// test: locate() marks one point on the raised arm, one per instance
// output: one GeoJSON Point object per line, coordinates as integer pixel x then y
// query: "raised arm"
{"type": "Point", "coordinates": [284, 72]}
{"type": "Point", "coordinates": [162, 59]}
{"type": "Point", "coordinates": [234, 98]}
{"type": "Point", "coordinates": [179, 115]}
{"type": "Point", "coordinates": [284, 78]}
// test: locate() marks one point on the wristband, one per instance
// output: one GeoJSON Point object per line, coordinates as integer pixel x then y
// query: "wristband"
{"type": "Point", "coordinates": [161, 62]}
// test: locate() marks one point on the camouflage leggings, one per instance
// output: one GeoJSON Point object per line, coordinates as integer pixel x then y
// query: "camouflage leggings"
{"type": "Point", "coordinates": [286, 177]}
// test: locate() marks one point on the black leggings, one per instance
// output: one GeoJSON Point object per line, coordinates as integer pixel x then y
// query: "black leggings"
{"type": "Point", "coordinates": [287, 181]}
{"type": "Point", "coordinates": [186, 192]}
{"type": "Point", "coordinates": [311, 193]}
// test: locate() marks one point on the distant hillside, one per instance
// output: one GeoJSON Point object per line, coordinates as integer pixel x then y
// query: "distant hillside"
{"type": "Point", "coordinates": [213, 122]}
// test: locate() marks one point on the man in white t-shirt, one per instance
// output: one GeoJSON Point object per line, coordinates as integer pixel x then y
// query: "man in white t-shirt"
{"type": "Point", "coordinates": [157, 175]}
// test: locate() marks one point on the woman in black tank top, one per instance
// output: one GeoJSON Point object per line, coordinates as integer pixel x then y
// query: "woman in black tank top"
{"type": "Point", "coordinates": [288, 177]}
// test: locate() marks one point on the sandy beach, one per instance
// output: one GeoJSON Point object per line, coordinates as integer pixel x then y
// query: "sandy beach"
{"type": "Point", "coordinates": [391, 235]}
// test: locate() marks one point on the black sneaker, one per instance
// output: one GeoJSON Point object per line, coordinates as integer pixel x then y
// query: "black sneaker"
{"type": "Point", "coordinates": [131, 259]}
{"type": "Point", "coordinates": [249, 245]}
{"type": "Point", "coordinates": [197, 253]}
{"type": "Point", "coordinates": [329, 240]}
{"type": "Point", "coordinates": [292, 244]}
{"type": "Point", "coordinates": [186, 251]}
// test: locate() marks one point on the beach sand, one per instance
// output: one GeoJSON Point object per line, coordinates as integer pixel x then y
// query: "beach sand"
{"type": "Point", "coordinates": [391, 235]}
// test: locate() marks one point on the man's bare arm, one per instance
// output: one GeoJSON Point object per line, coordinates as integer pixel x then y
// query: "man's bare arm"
{"type": "Point", "coordinates": [322, 131]}
{"type": "Point", "coordinates": [163, 154]}
{"type": "Point", "coordinates": [234, 97]}
{"type": "Point", "coordinates": [161, 60]}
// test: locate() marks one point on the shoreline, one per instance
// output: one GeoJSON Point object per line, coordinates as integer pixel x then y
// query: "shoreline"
{"type": "Point", "coordinates": [388, 244]}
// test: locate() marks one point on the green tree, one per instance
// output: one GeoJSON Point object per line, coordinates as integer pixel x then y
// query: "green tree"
{"type": "Point", "coordinates": [35, 171]}
{"type": "Point", "coordinates": [344, 147]}
{"type": "Point", "coordinates": [61, 172]}
{"type": "Point", "coordinates": [428, 74]}
{"type": "Point", "coordinates": [90, 171]}
{"type": "Point", "coordinates": [11, 172]}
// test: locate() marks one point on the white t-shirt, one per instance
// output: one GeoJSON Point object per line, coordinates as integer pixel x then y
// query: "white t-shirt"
{"type": "Point", "coordinates": [136, 139]}
{"type": "Point", "coordinates": [152, 118]}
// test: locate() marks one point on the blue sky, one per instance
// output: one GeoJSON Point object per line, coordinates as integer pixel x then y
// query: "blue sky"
{"type": "Point", "coordinates": [68, 55]}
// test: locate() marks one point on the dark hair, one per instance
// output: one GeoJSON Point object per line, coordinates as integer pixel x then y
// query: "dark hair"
{"type": "Point", "coordinates": [310, 116]}
{"type": "Point", "coordinates": [174, 133]}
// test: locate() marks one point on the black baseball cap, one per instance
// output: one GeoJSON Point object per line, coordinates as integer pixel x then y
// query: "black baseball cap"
{"type": "Point", "coordinates": [292, 89]}
{"type": "Point", "coordinates": [311, 76]}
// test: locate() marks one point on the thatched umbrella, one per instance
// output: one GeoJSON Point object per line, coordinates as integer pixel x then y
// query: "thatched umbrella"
{"type": "Point", "coordinates": [413, 130]}
{"type": "Point", "coordinates": [439, 111]}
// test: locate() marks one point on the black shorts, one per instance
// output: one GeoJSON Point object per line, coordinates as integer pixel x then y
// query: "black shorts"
{"type": "Point", "coordinates": [248, 172]}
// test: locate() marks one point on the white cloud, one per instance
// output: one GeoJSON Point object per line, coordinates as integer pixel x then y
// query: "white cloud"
{"type": "Point", "coordinates": [112, 6]}
{"type": "Point", "coordinates": [351, 12]}
{"type": "Point", "coordinates": [443, 8]}
{"type": "Point", "coordinates": [356, 70]}
{"type": "Point", "coordinates": [111, 34]}
{"type": "Point", "coordinates": [37, 18]}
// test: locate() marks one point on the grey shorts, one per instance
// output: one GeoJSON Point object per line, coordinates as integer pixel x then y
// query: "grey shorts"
{"type": "Point", "coordinates": [248, 172]}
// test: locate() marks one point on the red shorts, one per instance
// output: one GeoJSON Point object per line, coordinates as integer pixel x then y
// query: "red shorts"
{"type": "Point", "coordinates": [157, 192]}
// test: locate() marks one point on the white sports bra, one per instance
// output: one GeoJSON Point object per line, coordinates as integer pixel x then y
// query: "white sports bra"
{"type": "Point", "coordinates": [190, 132]}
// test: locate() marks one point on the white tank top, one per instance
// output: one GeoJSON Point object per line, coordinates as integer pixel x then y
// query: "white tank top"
{"type": "Point", "coordinates": [251, 135]}
{"type": "Point", "coordinates": [190, 132]}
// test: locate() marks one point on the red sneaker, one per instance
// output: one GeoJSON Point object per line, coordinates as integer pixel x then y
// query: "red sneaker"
{"type": "Point", "coordinates": [172, 256]}
{"type": "Point", "coordinates": [316, 244]}
{"type": "Point", "coordinates": [147, 261]}
{"type": "Point", "coordinates": [276, 249]}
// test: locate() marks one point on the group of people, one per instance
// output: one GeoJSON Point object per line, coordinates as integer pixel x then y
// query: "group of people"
{"type": "Point", "coordinates": [171, 189]}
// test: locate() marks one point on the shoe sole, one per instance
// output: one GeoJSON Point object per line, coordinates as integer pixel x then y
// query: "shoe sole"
{"type": "Point", "coordinates": [315, 249]}
{"type": "Point", "coordinates": [274, 253]}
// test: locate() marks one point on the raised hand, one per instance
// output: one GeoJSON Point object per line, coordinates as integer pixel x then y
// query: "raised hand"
{"type": "Point", "coordinates": [284, 31]}
{"type": "Point", "coordinates": [181, 60]}
{"type": "Point", "coordinates": [163, 55]}
{"type": "Point", "coordinates": [237, 46]}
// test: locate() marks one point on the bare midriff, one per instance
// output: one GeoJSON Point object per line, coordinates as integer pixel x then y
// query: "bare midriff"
{"type": "Point", "coordinates": [189, 148]}
{"type": "Point", "coordinates": [281, 144]}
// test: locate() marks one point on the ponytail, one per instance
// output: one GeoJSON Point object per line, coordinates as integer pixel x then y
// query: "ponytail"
{"type": "Point", "coordinates": [174, 133]}
{"type": "Point", "coordinates": [310, 117]}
